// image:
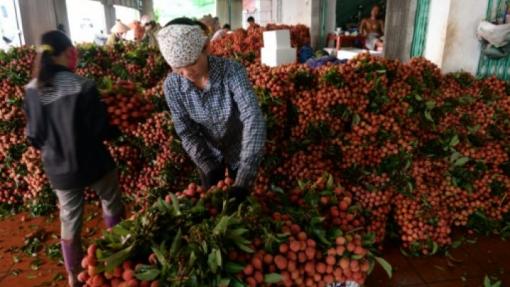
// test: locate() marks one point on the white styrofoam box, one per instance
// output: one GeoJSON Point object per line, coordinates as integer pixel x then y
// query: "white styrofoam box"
{"type": "Point", "coordinates": [349, 53]}
{"type": "Point", "coordinates": [277, 57]}
{"type": "Point", "coordinates": [277, 39]}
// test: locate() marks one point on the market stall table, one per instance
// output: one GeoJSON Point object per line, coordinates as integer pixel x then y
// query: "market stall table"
{"type": "Point", "coordinates": [346, 40]}
{"type": "Point", "coordinates": [349, 53]}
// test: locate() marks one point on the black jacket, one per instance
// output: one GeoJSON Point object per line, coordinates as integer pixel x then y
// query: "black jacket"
{"type": "Point", "coordinates": [69, 123]}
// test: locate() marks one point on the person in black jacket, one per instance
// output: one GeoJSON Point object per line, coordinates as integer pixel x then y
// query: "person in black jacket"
{"type": "Point", "coordinates": [67, 121]}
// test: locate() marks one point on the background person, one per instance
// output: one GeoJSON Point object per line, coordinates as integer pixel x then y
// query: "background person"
{"type": "Point", "coordinates": [67, 121]}
{"type": "Point", "coordinates": [373, 30]}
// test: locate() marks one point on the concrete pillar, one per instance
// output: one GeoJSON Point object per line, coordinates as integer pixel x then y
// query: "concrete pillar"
{"type": "Point", "coordinates": [37, 17]}
{"type": "Point", "coordinates": [331, 16]}
{"type": "Point", "coordinates": [398, 35]}
{"type": "Point", "coordinates": [236, 12]}
{"type": "Point", "coordinates": [110, 17]}
{"type": "Point", "coordinates": [61, 14]}
{"type": "Point", "coordinates": [277, 11]}
{"type": "Point", "coordinates": [148, 8]}
{"type": "Point", "coordinates": [315, 22]}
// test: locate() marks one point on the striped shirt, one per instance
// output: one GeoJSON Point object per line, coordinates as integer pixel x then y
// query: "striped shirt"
{"type": "Point", "coordinates": [68, 122]}
{"type": "Point", "coordinates": [64, 84]}
{"type": "Point", "coordinates": [221, 123]}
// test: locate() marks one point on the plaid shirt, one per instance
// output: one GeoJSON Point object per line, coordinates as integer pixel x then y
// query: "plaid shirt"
{"type": "Point", "coordinates": [222, 123]}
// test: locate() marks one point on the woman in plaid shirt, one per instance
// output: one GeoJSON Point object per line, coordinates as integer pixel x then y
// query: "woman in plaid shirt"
{"type": "Point", "coordinates": [214, 109]}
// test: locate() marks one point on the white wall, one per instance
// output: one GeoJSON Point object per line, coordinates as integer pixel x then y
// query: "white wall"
{"type": "Point", "coordinates": [84, 20]}
{"type": "Point", "coordinates": [462, 49]}
{"type": "Point", "coordinates": [399, 28]}
{"type": "Point", "coordinates": [297, 12]}
{"type": "Point", "coordinates": [265, 8]}
{"type": "Point", "coordinates": [451, 37]}
{"type": "Point", "coordinates": [436, 31]}
{"type": "Point", "coordinates": [305, 12]}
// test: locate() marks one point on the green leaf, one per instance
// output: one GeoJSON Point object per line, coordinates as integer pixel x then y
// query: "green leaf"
{"type": "Point", "coordinates": [435, 247]}
{"type": "Point", "coordinates": [163, 206]}
{"type": "Point", "coordinates": [474, 129]}
{"type": "Point", "coordinates": [430, 105]}
{"type": "Point", "coordinates": [410, 186]}
{"type": "Point", "coordinates": [456, 244]}
{"type": "Point", "coordinates": [277, 189]}
{"type": "Point", "coordinates": [272, 278]}
{"type": "Point", "coordinates": [487, 282]}
{"type": "Point", "coordinates": [118, 258]}
{"type": "Point", "coordinates": [385, 265]}
{"type": "Point", "coordinates": [455, 156]}
{"type": "Point", "coordinates": [454, 141]}
{"type": "Point", "coordinates": [428, 116]}
{"type": "Point", "coordinates": [321, 236]}
{"type": "Point", "coordinates": [148, 275]}
{"type": "Point", "coordinates": [176, 243]}
{"type": "Point", "coordinates": [212, 262]}
{"type": "Point", "coordinates": [461, 161]}
{"type": "Point", "coordinates": [245, 248]}
{"type": "Point", "coordinates": [233, 268]}
{"type": "Point", "coordinates": [58, 277]}
{"type": "Point", "coordinates": [192, 259]}
{"type": "Point", "coordinates": [222, 226]}
{"type": "Point", "coordinates": [175, 204]}
{"type": "Point", "coordinates": [355, 119]}
{"type": "Point", "coordinates": [237, 283]}
{"type": "Point", "coordinates": [466, 100]}
{"type": "Point", "coordinates": [237, 233]}
{"type": "Point", "coordinates": [34, 265]}
{"type": "Point", "coordinates": [335, 232]}
{"type": "Point", "coordinates": [159, 254]}
{"type": "Point", "coordinates": [330, 182]}
{"type": "Point", "coordinates": [218, 257]}
{"type": "Point", "coordinates": [119, 230]}
{"type": "Point", "coordinates": [224, 282]}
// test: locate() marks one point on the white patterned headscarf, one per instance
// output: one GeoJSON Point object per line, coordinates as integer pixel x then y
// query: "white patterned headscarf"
{"type": "Point", "coordinates": [181, 45]}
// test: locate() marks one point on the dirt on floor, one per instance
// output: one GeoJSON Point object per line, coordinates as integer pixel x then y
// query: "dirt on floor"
{"type": "Point", "coordinates": [30, 256]}
{"type": "Point", "coordinates": [30, 251]}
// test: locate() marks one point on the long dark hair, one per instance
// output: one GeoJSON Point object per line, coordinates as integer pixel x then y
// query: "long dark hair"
{"type": "Point", "coordinates": [189, 22]}
{"type": "Point", "coordinates": [53, 43]}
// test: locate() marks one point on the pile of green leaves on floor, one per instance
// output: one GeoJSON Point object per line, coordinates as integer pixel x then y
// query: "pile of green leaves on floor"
{"type": "Point", "coordinates": [189, 245]}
